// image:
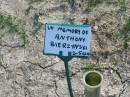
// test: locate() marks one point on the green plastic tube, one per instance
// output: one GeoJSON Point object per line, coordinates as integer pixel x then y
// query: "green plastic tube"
{"type": "Point", "coordinates": [92, 81]}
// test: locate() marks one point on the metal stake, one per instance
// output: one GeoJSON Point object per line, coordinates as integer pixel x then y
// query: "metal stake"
{"type": "Point", "coordinates": [68, 78]}
{"type": "Point", "coordinates": [67, 71]}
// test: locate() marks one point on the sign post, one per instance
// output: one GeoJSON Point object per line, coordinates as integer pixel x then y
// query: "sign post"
{"type": "Point", "coordinates": [67, 71]}
{"type": "Point", "coordinates": [67, 41]}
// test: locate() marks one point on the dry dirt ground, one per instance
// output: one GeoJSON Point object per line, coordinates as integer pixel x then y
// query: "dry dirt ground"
{"type": "Point", "coordinates": [26, 72]}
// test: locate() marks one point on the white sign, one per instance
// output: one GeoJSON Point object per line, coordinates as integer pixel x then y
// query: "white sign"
{"type": "Point", "coordinates": [66, 38]}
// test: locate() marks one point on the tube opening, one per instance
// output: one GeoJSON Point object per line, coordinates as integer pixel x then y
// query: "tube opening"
{"type": "Point", "coordinates": [93, 79]}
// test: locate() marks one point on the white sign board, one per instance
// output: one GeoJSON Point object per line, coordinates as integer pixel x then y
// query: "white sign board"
{"type": "Point", "coordinates": [72, 38]}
